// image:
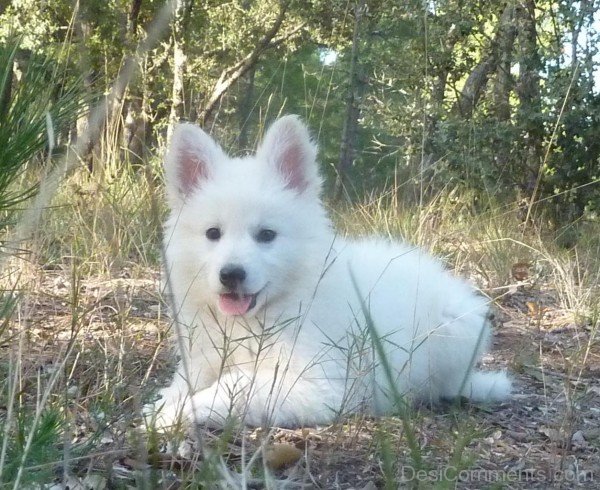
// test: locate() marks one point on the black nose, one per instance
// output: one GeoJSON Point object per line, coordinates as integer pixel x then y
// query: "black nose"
{"type": "Point", "coordinates": [232, 276]}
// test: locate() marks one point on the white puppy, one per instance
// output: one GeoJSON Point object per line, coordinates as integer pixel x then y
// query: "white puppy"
{"type": "Point", "coordinates": [281, 322]}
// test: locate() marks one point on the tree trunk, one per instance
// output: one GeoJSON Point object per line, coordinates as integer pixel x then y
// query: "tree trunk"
{"type": "Point", "coordinates": [113, 111]}
{"type": "Point", "coordinates": [528, 93]}
{"type": "Point", "coordinates": [353, 100]}
{"type": "Point", "coordinates": [128, 119]}
{"type": "Point", "coordinates": [503, 81]}
{"type": "Point", "coordinates": [134, 13]}
{"type": "Point", "coordinates": [134, 131]}
{"type": "Point", "coordinates": [179, 67]}
{"type": "Point", "coordinates": [438, 95]}
{"type": "Point", "coordinates": [82, 32]}
{"type": "Point", "coordinates": [245, 108]}
{"type": "Point", "coordinates": [134, 125]}
{"type": "Point", "coordinates": [6, 95]}
{"type": "Point", "coordinates": [475, 86]}
{"type": "Point", "coordinates": [503, 84]}
{"type": "Point", "coordinates": [478, 78]}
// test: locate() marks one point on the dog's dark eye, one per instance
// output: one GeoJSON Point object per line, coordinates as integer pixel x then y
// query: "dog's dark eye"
{"type": "Point", "coordinates": [265, 235]}
{"type": "Point", "coordinates": [213, 234]}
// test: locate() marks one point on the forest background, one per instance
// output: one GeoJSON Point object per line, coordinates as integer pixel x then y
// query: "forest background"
{"type": "Point", "coordinates": [496, 98]}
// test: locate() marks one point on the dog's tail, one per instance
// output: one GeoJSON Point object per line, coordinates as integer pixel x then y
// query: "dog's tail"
{"type": "Point", "coordinates": [487, 386]}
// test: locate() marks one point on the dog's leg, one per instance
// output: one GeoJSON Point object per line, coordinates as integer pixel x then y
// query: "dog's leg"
{"type": "Point", "coordinates": [173, 404]}
{"type": "Point", "coordinates": [167, 410]}
{"type": "Point", "coordinates": [260, 399]}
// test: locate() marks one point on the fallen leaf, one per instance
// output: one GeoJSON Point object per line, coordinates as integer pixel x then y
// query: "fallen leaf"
{"type": "Point", "coordinates": [277, 456]}
{"type": "Point", "coordinates": [536, 310]}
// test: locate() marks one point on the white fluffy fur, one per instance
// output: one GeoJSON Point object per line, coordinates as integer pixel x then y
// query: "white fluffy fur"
{"type": "Point", "coordinates": [303, 355]}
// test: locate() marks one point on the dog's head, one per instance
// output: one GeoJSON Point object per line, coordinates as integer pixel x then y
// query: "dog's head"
{"type": "Point", "coordinates": [242, 231]}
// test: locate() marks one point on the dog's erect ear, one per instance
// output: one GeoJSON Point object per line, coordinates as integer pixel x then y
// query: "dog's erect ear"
{"type": "Point", "coordinates": [189, 159]}
{"type": "Point", "coordinates": [287, 146]}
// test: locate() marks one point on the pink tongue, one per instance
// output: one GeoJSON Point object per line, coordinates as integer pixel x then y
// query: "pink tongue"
{"type": "Point", "coordinates": [232, 304]}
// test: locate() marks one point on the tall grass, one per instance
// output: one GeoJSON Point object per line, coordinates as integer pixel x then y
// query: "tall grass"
{"type": "Point", "coordinates": [112, 223]}
{"type": "Point", "coordinates": [33, 119]}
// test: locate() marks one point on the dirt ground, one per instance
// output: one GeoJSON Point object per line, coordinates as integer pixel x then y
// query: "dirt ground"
{"type": "Point", "coordinates": [546, 436]}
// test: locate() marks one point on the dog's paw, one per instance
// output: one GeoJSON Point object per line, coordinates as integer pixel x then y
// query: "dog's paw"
{"type": "Point", "coordinates": [161, 416]}
{"type": "Point", "coordinates": [169, 411]}
{"type": "Point", "coordinates": [212, 408]}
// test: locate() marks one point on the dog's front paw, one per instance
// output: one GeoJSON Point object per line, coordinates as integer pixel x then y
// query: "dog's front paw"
{"type": "Point", "coordinates": [169, 411]}
{"type": "Point", "coordinates": [213, 408]}
{"type": "Point", "coordinates": [161, 416]}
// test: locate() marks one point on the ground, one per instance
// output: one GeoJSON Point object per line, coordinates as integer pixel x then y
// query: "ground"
{"type": "Point", "coordinates": [112, 334]}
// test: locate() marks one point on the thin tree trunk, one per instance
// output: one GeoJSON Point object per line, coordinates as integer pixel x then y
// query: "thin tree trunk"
{"type": "Point", "coordinates": [503, 84]}
{"type": "Point", "coordinates": [353, 99]}
{"type": "Point", "coordinates": [438, 95]}
{"type": "Point", "coordinates": [245, 108]}
{"type": "Point", "coordinates": [114, 110]}
{"type": "Point", "coordinates": [127, 118]}
{"type": "Point", "coordinates": [134, 13]}
{"type": "Point", "coordinates": [82, 32]}
{"type": "Point", "coordinates": [6, 96]}
{"type": "Point", "coordinates": [179, 67]}
{"type": "Point", "coordinates": [503, 81]}
{"type": "Point", "coordinates": [475, 85]}
{"type": "Point", "coordinates": [134, 131]}
{"type": "Point", "coordinates": [528, 92]}
{"type": "Point", "coordinates": [134, 125]}
{"type": "Point", "coordinates": [478, 78]}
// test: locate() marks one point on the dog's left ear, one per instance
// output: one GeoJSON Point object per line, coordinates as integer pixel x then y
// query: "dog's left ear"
{"type": "Point", "coordinates": [189, 161]}
{"type": "Point", "coordinates": [287, 147]}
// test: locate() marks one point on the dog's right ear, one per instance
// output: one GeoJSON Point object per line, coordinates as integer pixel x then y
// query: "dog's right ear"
{"type": "Point", "coordinates": [288, 148]}
{"type": "Point", "coordinates": [188, 162]}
